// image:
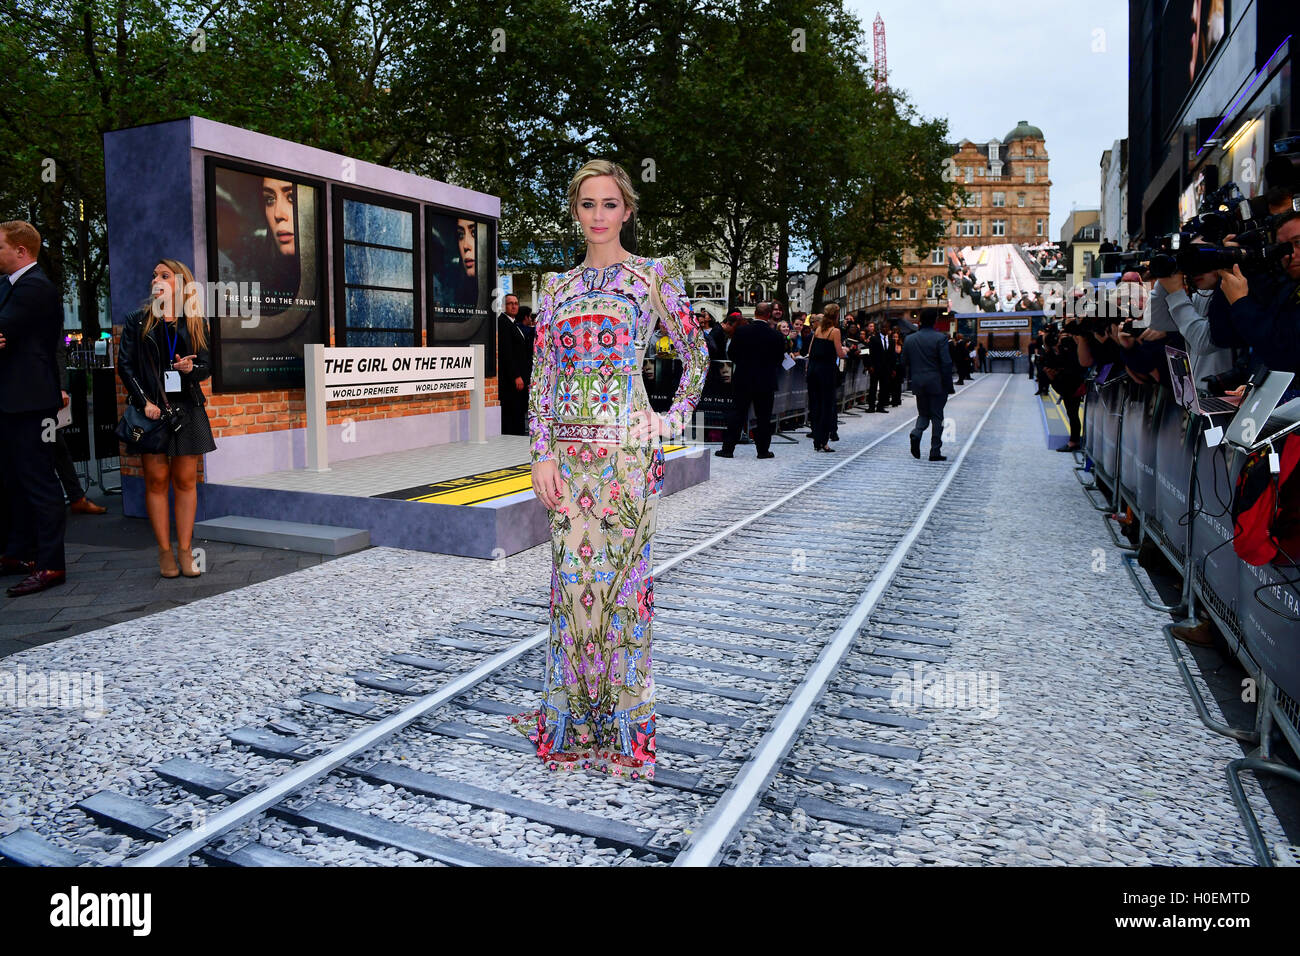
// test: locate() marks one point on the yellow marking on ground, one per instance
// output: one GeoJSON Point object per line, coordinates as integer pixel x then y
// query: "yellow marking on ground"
{"type": "Point", "coordinates": [485, 491]}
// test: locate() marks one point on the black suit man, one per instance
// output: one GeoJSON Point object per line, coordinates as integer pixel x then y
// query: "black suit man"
{"type": "Point", "coordinates": [929, 369]}
{"type": "Point", "coordinates": [31, 321]}
{"type": "Point", "coordinates": [757, 351]}
{"type": "Point", "coordinates": [514, 370]}
{"type": "Point", "coordinates": [880, 354]}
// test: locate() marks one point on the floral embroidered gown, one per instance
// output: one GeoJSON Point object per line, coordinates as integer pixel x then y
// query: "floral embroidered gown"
{"type": "Point", "coordinates": [598, 705]}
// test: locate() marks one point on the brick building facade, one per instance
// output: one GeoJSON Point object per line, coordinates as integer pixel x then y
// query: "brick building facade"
{"type": "Point", "coordinates": [1008, 201]}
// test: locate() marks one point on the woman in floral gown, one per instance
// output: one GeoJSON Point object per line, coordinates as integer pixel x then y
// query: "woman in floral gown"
{"type": "Point", "coordinates": [598, 467]}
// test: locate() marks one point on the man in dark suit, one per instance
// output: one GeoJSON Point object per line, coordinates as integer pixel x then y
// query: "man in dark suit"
{"type": "Point", "coordinates": [31, 321]}
{"type": "Point", "coordinates": [513, 370]}
{"type": "Point", "coordinates": [880, 354]}
{"type": "Point", "coordinates": [929, 369]}
{"type": "Point", "coordinates": [757, 351]}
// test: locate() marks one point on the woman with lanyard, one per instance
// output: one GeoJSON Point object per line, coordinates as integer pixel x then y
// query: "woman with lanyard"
{"type": "Point", "coordinates": [161, 361]}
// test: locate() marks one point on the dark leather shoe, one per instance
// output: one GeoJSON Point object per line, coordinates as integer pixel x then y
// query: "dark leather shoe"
{"type": "Point", "coordinates": [720, 453]}
{"type": "Point", "coordinates": [38, 581]}
{"type": "Point", "coordinates": [14, 566]}
{"type": "Point", "coordinates": [934, 457]}
{"type": "Point", "coordinates": [87, 507]}
{"type": "Point", "coordinates": [766, 454]}
{"type": "Point", "coordinates": [1199, 635]}
{"type": "Point", "coordinates": [916, 446]}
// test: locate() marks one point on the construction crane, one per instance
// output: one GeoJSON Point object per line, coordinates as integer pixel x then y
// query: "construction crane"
{"type": "Point", "coordinates": [882, 65]}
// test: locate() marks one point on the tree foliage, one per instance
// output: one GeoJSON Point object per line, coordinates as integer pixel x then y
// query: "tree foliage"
{"type": "Point", "coordinates": [748, 126]}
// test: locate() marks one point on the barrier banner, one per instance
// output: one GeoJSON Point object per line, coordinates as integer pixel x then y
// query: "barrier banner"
{"type": "Point", "coordinates": [103, 398]}
{"type": "Point", "coordinates": [1174, 447]}
{"type": "Point", "coordinates": [1130, 435]}
{"type": "Point", "coordinates": [1269, 622]}
{"type": "Point", "coordinates": [77, 435]}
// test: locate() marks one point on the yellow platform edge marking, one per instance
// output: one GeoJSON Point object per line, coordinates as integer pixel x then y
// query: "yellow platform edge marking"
{"type": "Point", "coordinates": [491, 490]}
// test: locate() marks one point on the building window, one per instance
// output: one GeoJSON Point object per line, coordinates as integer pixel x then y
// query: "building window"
{"type": "Point", "coordinates": [970, 174]}
{"type": "Point", "coordinates": [993, 151]}
{"type": "Point", "coordinates": [376, 269]}
{"type": "Point", "coordinates": [999, 199]}
{"type": "Point", "coordinates": [1038, 227]}
{"type": "Point", "coordinates": [1029, 151]}
{"type": "Point", "coordinates": [912, 279]}
{"type": "Point", "coordinates": [972, 199]}
{"type": "Point", "coordinates": [1029, 174]}
{"type": "Point", "coordinates": [969, 229]}
{"type": "Point", "coordinates": [913, 294]}
{"type": "Point", "coordinates": [999, 227]}
{"type": "Point", "coordinates": [937, 258]}
{"type": "Point", "coordinates": [1020, 200]}
{"type": "Point", "coordinates": [995, 170]}
{"type": "Point", "coordinates": [702, 263]}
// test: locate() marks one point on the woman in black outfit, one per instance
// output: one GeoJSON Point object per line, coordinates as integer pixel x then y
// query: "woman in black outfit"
{"type": "Point", "coordinates": [823, 357]}
{"type": "Point", "coordinates": [161, 361]}
{"type": "Point", "coordinates": [899, 370]}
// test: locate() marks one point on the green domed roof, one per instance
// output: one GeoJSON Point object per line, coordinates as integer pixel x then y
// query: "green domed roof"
{"type": "Point", "coordinates": [1023, 131]}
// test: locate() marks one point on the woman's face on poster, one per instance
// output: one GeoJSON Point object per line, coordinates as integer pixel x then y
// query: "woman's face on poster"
{"type": "Point", "coordinates": [278, 197]}
{"type": "Point", "coordinates": [465, 242]}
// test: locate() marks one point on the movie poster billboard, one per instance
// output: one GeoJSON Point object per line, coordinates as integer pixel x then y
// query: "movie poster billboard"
{"type": "Point", "coordinates": [266, 250]}
{"type": "Point", "coordinates": [461, 255]}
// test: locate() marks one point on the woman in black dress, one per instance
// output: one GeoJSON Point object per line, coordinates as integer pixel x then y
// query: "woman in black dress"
{"type": "Point", "coordinates": [899, 370]}
{"type": "Point", "coordinates": [161, 361]}
{"type": "Point", "coordinates": [823, 357]}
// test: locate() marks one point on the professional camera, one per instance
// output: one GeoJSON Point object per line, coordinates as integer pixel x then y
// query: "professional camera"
{"type": "Point", "coordinates": [1226, 212]}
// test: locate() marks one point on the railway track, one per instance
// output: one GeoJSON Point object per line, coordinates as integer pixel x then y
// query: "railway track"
{"type": "Point", "coordinates": [773, 636]}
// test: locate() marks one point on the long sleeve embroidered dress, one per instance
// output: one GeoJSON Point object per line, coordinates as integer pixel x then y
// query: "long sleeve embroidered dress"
{"type": "Point", "coordinates": [598, 704]}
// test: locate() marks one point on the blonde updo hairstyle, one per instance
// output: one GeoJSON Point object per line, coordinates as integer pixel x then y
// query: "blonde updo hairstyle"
{"type": "Point", "coordinates": [602, 167]}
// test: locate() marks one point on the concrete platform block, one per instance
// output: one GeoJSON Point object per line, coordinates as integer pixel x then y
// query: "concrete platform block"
{"type": "Point", "coordinates": [290, 535]}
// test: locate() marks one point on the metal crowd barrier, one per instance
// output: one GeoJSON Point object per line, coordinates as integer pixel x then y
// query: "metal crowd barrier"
{"type": "Point", "coordinates": [789, 405]}
{"type": "Point", "coordinates": [1150, 455]}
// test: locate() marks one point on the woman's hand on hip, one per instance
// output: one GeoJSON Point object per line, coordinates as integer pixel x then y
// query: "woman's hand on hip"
{"type": "Point", "coordinates": [548, 486]}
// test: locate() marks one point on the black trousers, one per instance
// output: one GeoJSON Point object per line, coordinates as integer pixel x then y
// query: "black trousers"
{"type": "Point", "coordinates": [742, 397]}
{"type": "Point", "coordinates": [37, 516]}
{"type": "Point", "coordinates": [67, 470]}
{"type": "Point", "coordinates": [929, 414]}
{"type": "Point", "coordinates": [821, 407]}
{"type": "Point", "coordinates": [1072, 412]}
{"type": "Point", "coordinates": [514, 409]}
{"type": "Point", "coordinates": [878, 390]}
{"type": "Point", "coordinates": [896, 389]}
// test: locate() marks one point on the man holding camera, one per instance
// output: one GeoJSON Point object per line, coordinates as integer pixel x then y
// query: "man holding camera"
{"type": "Point", "coordinates": [1182, 303]}
{"type": "Point", "coordinates": [1263, 312]}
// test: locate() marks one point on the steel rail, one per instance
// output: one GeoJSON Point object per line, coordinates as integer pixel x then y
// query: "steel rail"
{"type": "Point", "coordinates": [711, 839]}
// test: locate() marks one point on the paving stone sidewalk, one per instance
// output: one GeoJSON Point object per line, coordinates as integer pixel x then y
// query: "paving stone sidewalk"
{"type": "Point", "coordinates": [113, 577]}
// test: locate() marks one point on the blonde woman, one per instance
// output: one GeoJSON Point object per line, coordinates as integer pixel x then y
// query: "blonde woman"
{"type": "Point", "coordinates": [598, 468]}
{"type": "Point", "coordinates": [162, 358]}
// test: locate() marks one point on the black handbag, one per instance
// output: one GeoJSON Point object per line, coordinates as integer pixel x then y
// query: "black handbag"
{"type": "Point", "coordinates": [150, 435]}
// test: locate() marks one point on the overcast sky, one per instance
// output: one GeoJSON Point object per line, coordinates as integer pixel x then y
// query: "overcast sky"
{"type": "Point", "coordinates": [984, 66]}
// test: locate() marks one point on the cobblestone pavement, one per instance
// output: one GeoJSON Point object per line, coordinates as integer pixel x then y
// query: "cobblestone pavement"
{"type": "Point", "coordinates": [113, 577]}
{"type": "Point", "coordinates": [1095, 755]}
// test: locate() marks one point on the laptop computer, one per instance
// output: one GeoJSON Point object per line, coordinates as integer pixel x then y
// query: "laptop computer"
{"type": "Point", "coordinates": [1184, 386]}
{"type": "Point", "coordinates": [1259, 420]}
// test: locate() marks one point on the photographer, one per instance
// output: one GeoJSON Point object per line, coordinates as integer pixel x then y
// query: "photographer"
{"type": "Point", "coordinates": [1182, 303]}
{"type": "Point", "coordinates": [1263, 311]}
